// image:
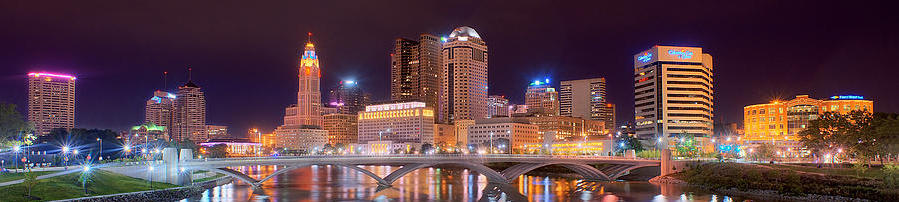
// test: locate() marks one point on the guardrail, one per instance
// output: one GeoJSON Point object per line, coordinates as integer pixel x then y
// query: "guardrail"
{"type": "Point", "coordinates": [453, 156]}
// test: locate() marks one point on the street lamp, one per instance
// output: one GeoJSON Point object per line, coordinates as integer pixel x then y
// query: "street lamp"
{"type": "Point", "coordinates": [65, 156]}
{"type": "Point", "coordinates": [491, 143]}
{"type": "Point", "coordinates": [100, 152]}
{"type": "Point", "coordinates": [16, 149]}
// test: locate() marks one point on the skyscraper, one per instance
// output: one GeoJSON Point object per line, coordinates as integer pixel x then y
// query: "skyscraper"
{"type": "Point", "coordinates": [415, 68]}
{"type": "Point", "coordinates": [308, 109]}
{"type": "Point", "coordinates": [51, 102]}
{"type": "Point", "coordinates": [586, 98]}
{"type": "Point", "coordinates": [542, 98]}
{"type": "Point", "coordinates": [160, 110]}
{"type": "Point", "coordinates": [463, 94]}
{"type": "Point", "coordinates": [497, 105]}
{"type": "Point", "coordinates": [190, 113]}
{"type": "Point", "coordinates": [348, 98]}
{"type": "Point", "coordinates": [673, 92]}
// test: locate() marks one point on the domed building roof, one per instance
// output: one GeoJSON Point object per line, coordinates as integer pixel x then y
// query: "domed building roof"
{"type": "Point", "coordinates": [464, 31]}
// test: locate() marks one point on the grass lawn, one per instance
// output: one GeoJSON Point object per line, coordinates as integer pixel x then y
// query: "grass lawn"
{"type": "Point", "coordinates": [68, 186]}
{"type": "Point", "coordinates": [217, 175]}
{"type": "Point", "coordinates": [872, 173]}
{"type": "Point", "coordinates": [6, 177]}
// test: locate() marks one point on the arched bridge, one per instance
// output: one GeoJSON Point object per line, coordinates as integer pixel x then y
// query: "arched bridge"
{"type": "Point", "coordinates": [590, 167]}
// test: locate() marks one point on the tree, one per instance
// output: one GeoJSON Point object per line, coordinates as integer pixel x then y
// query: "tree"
{"type": "Point", "coordinates": [860, 133]}
{"type": "Point", "coordinates": [12, 123]}
{"type": "Point", "coordinates": [630, 143]}
{"type": "Point", "coordinates": [764, 151]}
{"type": "Point", "coordinates": [217, 151]}
{"type": "Point", "coordinates": [30, 181]}
{"type": "Point", "coordinates": [426, 147]}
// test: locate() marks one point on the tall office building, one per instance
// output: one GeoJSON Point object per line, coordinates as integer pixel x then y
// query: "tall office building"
{"type": "Point", "coordinates": [586, 99]}
{"type": "Point", "coordinates": [463, 93]}
{"type": "Point", "coordinates": [303, 122]}
{"type": "Point", "coordinates": [51, 102]}
{"type": "Point", "coordinates": [309, 96]}
{"type": "Point", "coordinates": [160, 111]}
{"type": "Point", "coordinates": [348, 98]}
{"type": "Point", "coordinates": [415, 70]}
{"type": "Point", "coordinates": [542, 99]}
{"type": "Point", "coordinates": [497, 105]}
{"type": "Point", "coordinates": [673, 92]}
{"type": "Point", "coordinates": [190, 114]}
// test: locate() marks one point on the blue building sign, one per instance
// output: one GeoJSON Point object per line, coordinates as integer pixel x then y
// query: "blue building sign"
{"type": "Point", "coordinates": [847, 97]}
{"type": "Point", "coordinates": [682, 53]}
{"type": "Point", "coordinates": [646, 57]}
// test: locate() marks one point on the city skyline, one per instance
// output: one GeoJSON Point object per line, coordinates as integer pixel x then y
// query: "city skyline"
{"type": "Point", "coordinates": [742, 78]}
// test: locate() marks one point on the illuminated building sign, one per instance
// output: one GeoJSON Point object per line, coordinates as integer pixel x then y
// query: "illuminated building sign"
{"type": "Point", "coordinates": [847, 97]}
{"type": "Point", "coordinates": [538, 82]}
{"type": "Point", "coordinates": [51, 75]}
{"type": "Point", "coordinates": [682, 53]}
{"type": "Point", "coordinates": [646, 57]}
{"type": "Point", "coordinates": [385, 107]}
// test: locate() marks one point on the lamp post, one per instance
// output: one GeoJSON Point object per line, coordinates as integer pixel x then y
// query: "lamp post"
{"type": "Point", "coordinates": [16, 149]}
{"type": "Point", "coordinates": [491, 143]}
{"type": "Point", "coordinates": [100, 151]}
{"type": "Point", "coordinates": [65, 156]}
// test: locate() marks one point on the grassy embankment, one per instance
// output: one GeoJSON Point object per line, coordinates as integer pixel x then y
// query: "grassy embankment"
{"type": "Point", "coordinates": [788, 180]}
{"type": "Point", "coordinates": [6, 177]}
{"type": "Point", "coordinates": [68, 186]}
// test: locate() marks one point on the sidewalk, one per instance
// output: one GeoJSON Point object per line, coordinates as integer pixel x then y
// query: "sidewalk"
{"type": "Point", "coordinates": [41, 177]}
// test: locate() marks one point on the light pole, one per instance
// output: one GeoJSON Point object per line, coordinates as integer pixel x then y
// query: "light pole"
{"type": "Point", "coordinates": [65, 156]}
{"type": "Point", "coordinates": [16, 149]}
{"type": "Point", "coordinates": [491, 143]}
{"type": "Point", "coordinates": [100, 151]}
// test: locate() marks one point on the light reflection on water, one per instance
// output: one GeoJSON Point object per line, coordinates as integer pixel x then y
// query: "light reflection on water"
{"type": "Point", "coordinates": [334, 183]}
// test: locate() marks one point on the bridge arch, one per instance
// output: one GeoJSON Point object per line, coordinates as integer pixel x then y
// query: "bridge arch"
{"type": "Point", "coordinates": [250, 180]}
{"type": "Point", "coordinates": [492, 175]}
{"type": "Point", "coordinates": [584, 170]}
{"type": "Point", "coordinates": [235, 174]}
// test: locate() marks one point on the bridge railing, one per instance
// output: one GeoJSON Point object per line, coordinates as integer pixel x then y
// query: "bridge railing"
{"type": "Point", "coordinates": [390, 156]}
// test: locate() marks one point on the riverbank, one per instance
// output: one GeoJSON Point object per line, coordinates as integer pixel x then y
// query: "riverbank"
{"type": "Point", "coordinates": [68, 186]}
{"type": "Point", "coordinates": [170, 194]}
{"type": "Point", "coordinates": [779, 183]}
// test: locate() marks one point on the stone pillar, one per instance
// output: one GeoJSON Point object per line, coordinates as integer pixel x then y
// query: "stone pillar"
{"type": "Point", "coordinates": [630, 154]}
{"type": "Point", "coordinates": [666, 162]}
{"type": "Point", "coordinates": [185, 176]}
{"type": "Point", "coordinates": [170, 164]}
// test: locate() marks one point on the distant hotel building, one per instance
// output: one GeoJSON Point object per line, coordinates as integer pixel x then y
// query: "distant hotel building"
{"type": "Point", "coordinates": [408, 122]}
{"type": "Point", "coordinates": [160, 111]}
{"type": "Point", "coordinates": [415, 70]}
{"type": "Point", "coordinates": [306, 138]}
{"type": "Point", "coordinates": [217, 132]}
{"type": "Point", "coordinates": [586, 98]}
{"type": "Point", "coordinates": [342, 128]}
{"type": "Point", "coordinates": [495, 131]}
{"type": "Point", "coordinates": [497, 105]}
{"type": "Point", "coordinates": [542, 98]}
{"type": "Point", "coordinates": [348, 98]}
{"type": "Point", "coordinates": [780, 121]}
{"type": "Point", "coordinates": [190, 114]}
{"type": "Point", "coordinates": [51, 102]}
{"type": "Point", "coordinates": [463, 94]}
{"type": "Point", "coordinates": [673, 92]}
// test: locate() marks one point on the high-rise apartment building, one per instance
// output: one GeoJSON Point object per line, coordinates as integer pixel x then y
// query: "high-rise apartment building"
{"type": "Point", "coordinates": [415, 70]}
{"type": "Point", "coordinates": [348, 98]}
{"type": "Point", "coordinates": [542, 98]}
{"type": "Point", "coordinates": [160, 111]}
{"type": "Point", "coordinates": [407, 122]}
{"type": "Point", "coordinates": [586, 98]}
{"type": "Point", "coordinates": [497, 105]}
{"type": "Point", "coordinates": [463, 94]}
{"type": "Point", "coordinates": [190, 114]}
{"type": "Point", "coordinates": [51, 102]}
{"type": "Point", "coordinates": [342, 128]}
{"type": "Point", "coordinates": [673, 92]}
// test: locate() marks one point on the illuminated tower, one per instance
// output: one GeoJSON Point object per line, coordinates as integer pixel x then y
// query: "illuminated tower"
{"type": "Point", "coordinates": [51, 102]}
{"type": "Point", "coordinates": [542, 99]}
{"type": "Point", "coordinates": [673, 93]}
{"type": "Point", "coordinates": [190, 113]}
{"type": "Point", "coordinates": [309, 96]}
{"type": "Point", "coordinates": [463, 93]}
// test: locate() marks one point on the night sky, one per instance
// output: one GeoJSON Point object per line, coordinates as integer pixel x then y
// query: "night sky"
{"type": "Point", "coordinates": [243, 55]}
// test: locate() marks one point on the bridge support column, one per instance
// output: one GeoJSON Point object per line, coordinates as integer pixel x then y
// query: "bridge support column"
{"type": "Point", "coordinates": [666, 166]}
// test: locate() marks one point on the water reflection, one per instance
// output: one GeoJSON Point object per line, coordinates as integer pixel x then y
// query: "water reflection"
{"type": "Point", "coordinates": [335, 183]}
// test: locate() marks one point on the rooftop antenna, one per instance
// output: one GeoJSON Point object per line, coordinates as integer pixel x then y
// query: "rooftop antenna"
{"type": "Point", "coordinates": [165, 81]}
{"type": "Point", "coordinates": [189, 74]}
{"type": "Point", "coordinates": [310, 37]}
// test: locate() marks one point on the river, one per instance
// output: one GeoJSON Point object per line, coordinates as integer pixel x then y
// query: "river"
{"type": "Point", "coordinates": [333, 183]}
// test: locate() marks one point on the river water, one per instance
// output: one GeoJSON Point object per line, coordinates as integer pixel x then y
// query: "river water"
{"type": "Point", "coordinates": [334, 183]}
